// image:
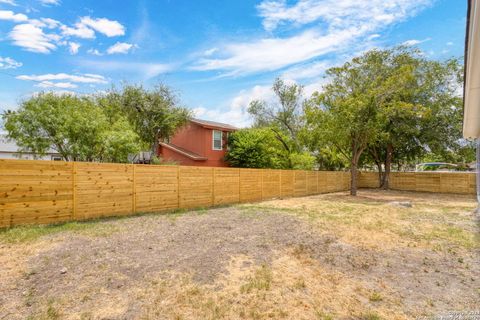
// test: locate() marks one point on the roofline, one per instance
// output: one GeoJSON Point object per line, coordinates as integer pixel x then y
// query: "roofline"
{"type": "Point", "coordinates": [212, 126]}
{"type": "Point", "coordinates": [171, 147]}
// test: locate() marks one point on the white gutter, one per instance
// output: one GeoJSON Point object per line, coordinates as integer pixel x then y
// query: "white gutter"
{"type": "Point", "coordinates": [471, 120]}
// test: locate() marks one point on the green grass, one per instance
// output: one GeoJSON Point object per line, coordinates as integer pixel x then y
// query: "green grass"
{"type": "Point", "coordinates": [31, 233]}
{"type": "Point", "coordinates": [323, 316]}
{"type": "Point", "coordinates": [261, 280]}
{"type": "Point", "coordinates": [370, 316]}
{"type": "Point", "coordinates": [95, 227]}
{"type": "Point", "coordinates": [455, 235]}
{"type": "Point", "coordinates": [375, 297]}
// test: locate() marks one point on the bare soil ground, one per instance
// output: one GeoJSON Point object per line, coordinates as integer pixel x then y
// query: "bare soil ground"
{"type": "Point", "coordinates": [321, 257]}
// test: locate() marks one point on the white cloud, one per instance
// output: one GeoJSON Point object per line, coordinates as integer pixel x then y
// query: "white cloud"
{"type": "Point", "coordinates": [275, 53]}
{"type": "Point", "coordinates": [236, 113]}
{"type": "Point", "coordinates": [307, 70]}
{"type": "Point", "coordinates": [120, 47]}
{"type": "Point", "coordinates": [32, 38]}
{"type": "Point", "coordinates": [11, 16]}
{"type": "Point", "coordinates": [110, 28]}
{"type": "Point", "coordinates": [145, 69]}
{"type": "Point", "coordinates": [449, 43]}
{"type": "Point", "coordinates": [61, 85]}
{"type": "Point", "coordinates": [414, 42]}
{"type": "Point", "coordinates": [87, 26]}
{"type": "Point", "coordinates": [73, 47]}
{"type": "Point", "coordinates": [9, 63]}
{"type": "Point", "coordinates": [80, 31]}
{"type": "Point", "coordinates": [49, 2]}
{"type": "Point", "coordinates": [235, 116]}
{"type": "Point", "coordinates": [314, 86]}
{"type": "Point", "coordinates": [209, 52]}
{"type": "Point", "coordinates": [46, 23]}
{"type": "Point", "coordinates": [336, 12]}
{"type": "Point", "coordinates": [80, 78]}
{"type": "Point", "coordinates": [339, 25]}
{"type": "Point", "coordinates": [94, 52]}
{"type": "Point", "coordinates": [10, 2]}
{"type": "Point", "coordinates": [30, 35]}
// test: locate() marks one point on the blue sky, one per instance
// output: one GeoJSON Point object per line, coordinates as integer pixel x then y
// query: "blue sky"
{"type": "Point", "coordinates": [218, 55]}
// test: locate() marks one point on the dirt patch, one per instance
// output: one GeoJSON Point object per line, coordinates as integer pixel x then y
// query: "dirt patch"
{"type": "Point", "coordinates": [275, 259]}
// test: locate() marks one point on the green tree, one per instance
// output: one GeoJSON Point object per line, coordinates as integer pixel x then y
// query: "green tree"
{"type": "Point", "coordinates": [399, 72]}
{"type": "Point", "coordinates": [442, 125]}
{"type": "Point", "coordinates": [252, 148]}
{"type": "Point", "coordinates": [392, 103]}
{"type": "Point", "coordinates": [260, 148]}
{"type": "Point", "coordinates": [118, 142]}
{"type": "Point", "coordinates": [284, 117]}
{"type": "Point", "coordinates": [418, 106]}
{"type": "Point", "coordinates": [75, 127]}
{"type": "Point", "coordinates": [154, 114]}
{"type": "Point", "coordinates": [343, 116]}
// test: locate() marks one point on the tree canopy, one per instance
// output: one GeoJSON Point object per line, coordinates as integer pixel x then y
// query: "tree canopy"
{"type": "Point", "coordinates": [393, 103]}
{"type": "Point", "coordinates": [260, 148]}
{"type": "Point", "coordinates": [284, 118]}
{"type": "Point", "coordinates": [99, 127]}
{"type": "Point", "coordinates": [76, 127]}
{"type": "Point", "coordinates": [154, 114]}
{"type": "Point", "coordinates": [343, 114]}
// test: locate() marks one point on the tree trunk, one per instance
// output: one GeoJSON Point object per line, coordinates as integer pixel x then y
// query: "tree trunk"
{"type": "Point", "coordinates": [388, 165]}
{"type": "Point", "coordinates": [356, 152]}
{"type": "Point", "coordinates": [156, 145]}
{"type": "Point", "coordinates": [373, 152]}
{"type": "Point", "coordinates": [353, 178]}
{"type": "Point", "coordinates": [381, 176]}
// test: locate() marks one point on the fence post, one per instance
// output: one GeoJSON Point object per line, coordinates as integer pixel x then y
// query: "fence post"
{"type": "Point", "coordinates": [74, 190]}
{"type": "Point", "coordinates": [134, 190]}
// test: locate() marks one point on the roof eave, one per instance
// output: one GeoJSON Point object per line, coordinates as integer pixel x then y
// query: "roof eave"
{"type": "Point", "coordinates": [170, 147]}
{"type": "Point", "coordinates": [471, 87]}
{"type": "Point", "coordinates": [208, 126]}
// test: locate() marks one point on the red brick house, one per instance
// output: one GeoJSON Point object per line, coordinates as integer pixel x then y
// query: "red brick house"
{"type": "Point", "coordinates": [199, 143]}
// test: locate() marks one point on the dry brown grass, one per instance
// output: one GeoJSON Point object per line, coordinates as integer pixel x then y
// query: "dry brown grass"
{"type": "Point", "coordinates": [435, 221]}
{"type": "Point", "coordinates": [292, 287]}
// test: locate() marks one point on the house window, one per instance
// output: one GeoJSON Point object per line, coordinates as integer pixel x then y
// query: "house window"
{"type": "Point", "coordinates": [217, 140]}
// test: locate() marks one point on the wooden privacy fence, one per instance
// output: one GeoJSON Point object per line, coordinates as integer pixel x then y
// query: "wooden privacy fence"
{"type": "Point", "coordinates": [53, 191]}
{"type": "Point", "coordinates": [442, 182]}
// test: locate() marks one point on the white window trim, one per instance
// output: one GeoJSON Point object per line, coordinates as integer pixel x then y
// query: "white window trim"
{"type": "Point", "coordinates": [213, 140]}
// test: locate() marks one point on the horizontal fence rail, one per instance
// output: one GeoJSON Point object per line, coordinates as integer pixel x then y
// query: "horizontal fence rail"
{"type": "Point", "coordinates": [41, 192]}
{"type": "Point", "coordinates": [440, 182]}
